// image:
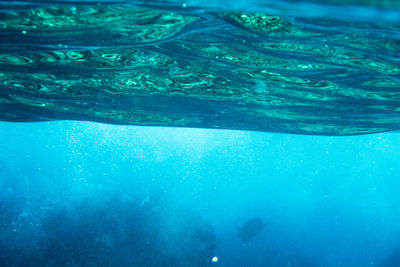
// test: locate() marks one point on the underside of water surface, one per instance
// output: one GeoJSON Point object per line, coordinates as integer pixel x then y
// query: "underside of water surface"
{"type": "Point", "coordinates": [164, 63]}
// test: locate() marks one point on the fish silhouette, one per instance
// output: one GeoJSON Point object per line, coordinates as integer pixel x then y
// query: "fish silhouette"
{"type": "Point", "coordinates": [250, 229]}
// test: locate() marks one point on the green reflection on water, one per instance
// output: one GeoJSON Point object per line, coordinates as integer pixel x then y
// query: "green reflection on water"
{"type": "Point", "coordinates": [252, 71]}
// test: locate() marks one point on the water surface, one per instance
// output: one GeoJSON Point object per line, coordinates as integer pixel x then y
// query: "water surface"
{"type": "Point", "coordinates": [258, 67]}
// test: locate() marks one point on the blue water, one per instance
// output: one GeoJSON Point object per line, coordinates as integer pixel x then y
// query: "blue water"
{"type": "Point", "coordinates": [87, 194]}
{"type": "Point", "coordinates": [90, 194]}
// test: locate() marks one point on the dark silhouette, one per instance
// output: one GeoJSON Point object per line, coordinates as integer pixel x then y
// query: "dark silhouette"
{"type": "Point", "coordinates": [250, 229]}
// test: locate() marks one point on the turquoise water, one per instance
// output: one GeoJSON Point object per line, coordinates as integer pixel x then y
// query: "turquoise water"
{"type": "Point", "coordinates": [287, 67]}
{"type": "Point", "coordinates": [86, 194]}
{"type": "Point", "coordinates": [196, 134]}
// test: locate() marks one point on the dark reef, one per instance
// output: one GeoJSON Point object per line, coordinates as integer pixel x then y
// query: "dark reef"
{"type": "Point", "coordinates": [109, 232]}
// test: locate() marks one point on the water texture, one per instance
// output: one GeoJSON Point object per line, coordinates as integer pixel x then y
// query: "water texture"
{"type": "Point", "coordinates": [87, 194]}
{"type": "Point", "coordinates": [260, 67]}
{"type": "Point", "coordinates": [76, 193]}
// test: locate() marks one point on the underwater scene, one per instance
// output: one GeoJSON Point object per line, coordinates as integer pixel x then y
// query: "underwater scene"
{"type": "Point", "coordinates": [200, 133]}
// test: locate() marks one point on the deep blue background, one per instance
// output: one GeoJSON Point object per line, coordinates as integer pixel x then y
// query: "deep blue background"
{"type": "Point", "coordinates": [330, 201]}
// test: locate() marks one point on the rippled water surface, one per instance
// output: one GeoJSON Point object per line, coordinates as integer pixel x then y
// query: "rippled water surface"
{"type": "Point", "coordinates": [254, 66]}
